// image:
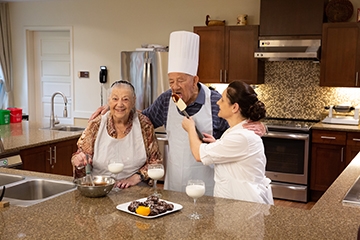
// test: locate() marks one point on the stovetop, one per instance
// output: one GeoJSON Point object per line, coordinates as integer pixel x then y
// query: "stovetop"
{"type": "Point", "coordinates": [289, 124]}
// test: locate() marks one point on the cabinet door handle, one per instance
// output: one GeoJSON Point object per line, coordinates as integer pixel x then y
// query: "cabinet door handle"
{"type": "Point", "coordinates": [326, 137]}
{"type": "Point", "coordinates": [54, 155]}
{"type": "Point", "coordinates": [50, 159]}
{"type": "Point", "coordinates": [342, 154]}
{"type": "Point", "coordinates": [356, 78]}
{"type": "Point", "coordinates": [356, 139]}
{"type": "Point", "coordinates": [225, 76]}
{"type": "Point", "coordinates": [220, 75]}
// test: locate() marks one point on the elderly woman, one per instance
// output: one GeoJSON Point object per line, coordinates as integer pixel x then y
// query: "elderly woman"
{"type": "Point", "coordinates": [238, 155]}
{"type": "Point", "coordinates": [122, 133]}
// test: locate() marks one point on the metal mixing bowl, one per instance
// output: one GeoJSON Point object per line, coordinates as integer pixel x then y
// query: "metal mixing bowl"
{"type": "Point", "coordinates": [107, 183]}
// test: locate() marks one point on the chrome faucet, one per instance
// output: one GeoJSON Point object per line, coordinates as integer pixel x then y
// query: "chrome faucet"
{"type": "Point", "coordinates": [2, 149]}
{"type": "Point", "coordinates": [54, 121]}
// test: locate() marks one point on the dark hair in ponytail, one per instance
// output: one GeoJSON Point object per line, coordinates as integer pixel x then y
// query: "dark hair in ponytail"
{"type": "Point", "coordinates": [244, 95]}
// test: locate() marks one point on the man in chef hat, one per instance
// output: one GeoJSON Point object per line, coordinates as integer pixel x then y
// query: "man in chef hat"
{"type": "Point", "coordinates": [201, 106]}
{"type": "Point", "coordinates": [183, 80]}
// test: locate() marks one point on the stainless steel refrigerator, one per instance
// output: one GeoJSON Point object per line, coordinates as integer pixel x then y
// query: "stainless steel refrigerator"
{"type": "Point", "coordinates": [147, 71]}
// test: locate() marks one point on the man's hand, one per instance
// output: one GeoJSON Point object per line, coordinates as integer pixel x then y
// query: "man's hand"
{"type": "Point", "coordinates": [258, 127]}
{"type": "Point", "coordinates": [101, 110]}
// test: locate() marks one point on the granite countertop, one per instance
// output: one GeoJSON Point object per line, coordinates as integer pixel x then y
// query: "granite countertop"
{"type": "Point", "coordinates": [336, 127]}
{"type": "Point", "coordinates": [18, 136]}
{"type": "Point", "coordinates": [72, 216]}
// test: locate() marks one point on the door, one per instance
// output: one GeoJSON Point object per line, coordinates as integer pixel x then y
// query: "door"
{"type": "Point", "coordinates": [52, 73]}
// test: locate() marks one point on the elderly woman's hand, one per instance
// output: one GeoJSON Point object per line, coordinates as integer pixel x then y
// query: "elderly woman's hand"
{"type": "Point", "coordinates": [79, 160]}
{"type": "Point", "coordinates": [128, 182]}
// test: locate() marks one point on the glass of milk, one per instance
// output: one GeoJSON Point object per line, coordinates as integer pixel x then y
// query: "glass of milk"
{"type": "Point", "coordinates": [156, 172]}
{"type": "Point", "coordinates": [115, 166]}
{"type": "Point", "coordinates": [195, 189]}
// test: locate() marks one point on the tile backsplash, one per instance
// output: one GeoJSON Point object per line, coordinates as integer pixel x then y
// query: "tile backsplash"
{"type": "Point", "coordinates": [291, 90]}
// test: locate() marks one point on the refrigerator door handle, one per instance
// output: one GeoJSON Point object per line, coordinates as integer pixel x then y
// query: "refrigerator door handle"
{"type": "Point", "coordinates": [144, 80]}
{"type": "Point", "coordinates": [148, 83]}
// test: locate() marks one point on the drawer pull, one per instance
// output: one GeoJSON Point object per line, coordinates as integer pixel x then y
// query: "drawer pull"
{"type": "Point", "coordinates": [356, 139]}
{"type": "Point", "coordinates": [326, 137]}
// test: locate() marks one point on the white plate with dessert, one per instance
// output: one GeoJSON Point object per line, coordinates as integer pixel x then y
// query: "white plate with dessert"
{"type": "Point", "coordinates": [150, 207]}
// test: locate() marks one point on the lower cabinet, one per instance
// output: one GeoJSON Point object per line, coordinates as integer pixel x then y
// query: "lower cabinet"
{"type": "Point", "coordinates": [331, 152]}
{"type": "Point", "coordinates": [51, 158]}
{"type": "Point", "coordinates": [352, 146]}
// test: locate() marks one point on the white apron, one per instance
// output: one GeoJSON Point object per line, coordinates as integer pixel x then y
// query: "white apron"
{"type": "Point", "coordinates": [181, 166]}
{"type": "Point", "coordinates": [130, 149]}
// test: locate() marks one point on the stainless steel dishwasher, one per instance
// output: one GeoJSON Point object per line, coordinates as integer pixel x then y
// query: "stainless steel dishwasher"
{"type": "Point", "coordinates": [164, 148]}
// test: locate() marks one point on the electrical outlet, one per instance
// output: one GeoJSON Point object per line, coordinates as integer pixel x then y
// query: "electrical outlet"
{"type": "Point", "coordinates": [84, 74]}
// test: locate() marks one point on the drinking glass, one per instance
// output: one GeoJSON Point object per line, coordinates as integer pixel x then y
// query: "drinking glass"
{"type": "Point", "coordinates": [156, 172]}
{"type": "Point", "coordinates": [195, 189]}
{"type": "Point", "coordinates": [115, 166]}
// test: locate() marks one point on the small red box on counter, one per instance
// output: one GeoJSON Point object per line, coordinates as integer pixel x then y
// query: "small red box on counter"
{"type": "Point", "coordinates": [15, 115]}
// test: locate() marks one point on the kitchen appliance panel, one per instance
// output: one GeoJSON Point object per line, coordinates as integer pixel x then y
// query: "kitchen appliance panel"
{"type": "Point", "coordinates": [287, 150]}
{"type": "Point", "coordinates": [147, 71]}
{"type": "Point", "coordinates": [287, 157]}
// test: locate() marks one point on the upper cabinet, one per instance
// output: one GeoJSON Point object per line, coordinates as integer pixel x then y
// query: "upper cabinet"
{"type": "Point", "coordinates": [227, 54]}
{"type": "Point", "coordinates": [291, 18]}
{"type": "Point", "coordinates": [340, 55]}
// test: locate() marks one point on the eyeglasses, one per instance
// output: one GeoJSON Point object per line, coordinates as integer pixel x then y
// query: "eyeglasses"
{"type": "Point", "coordinates": [124, 82]}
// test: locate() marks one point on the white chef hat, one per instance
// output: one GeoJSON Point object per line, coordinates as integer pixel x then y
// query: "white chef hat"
{"type": "Point", "coordinates": [183, 52]}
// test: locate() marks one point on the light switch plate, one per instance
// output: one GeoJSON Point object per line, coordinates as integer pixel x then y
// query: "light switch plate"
{"type": "Point", "coordinates": [84, 74]}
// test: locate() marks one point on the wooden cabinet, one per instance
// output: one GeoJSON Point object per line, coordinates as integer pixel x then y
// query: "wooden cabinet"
{"type": "Point", "coordinates": [352, 146]}
{"type": "Point", "coordinates": [291, 18]}
{"type": "Point", "coordinates": [340, 55]}
{"type": "Point", "coordinates": [227, 54]}
{"type": "Point", "coordinates": [331, 152]}
{"type": "Point", "coordinates": [51, 158]}
{"type": "Point", "coordinates": [327, 158]}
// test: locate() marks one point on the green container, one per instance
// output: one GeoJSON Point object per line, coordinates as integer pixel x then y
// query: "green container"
{"type": "Point", "coordinates": [4, 116]}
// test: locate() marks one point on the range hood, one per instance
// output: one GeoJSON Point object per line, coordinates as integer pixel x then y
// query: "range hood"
{"type": "Point", "coordinates": [289, 49]}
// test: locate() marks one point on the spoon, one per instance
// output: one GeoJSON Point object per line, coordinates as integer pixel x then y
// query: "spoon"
{"type": "Point", "coordinates": [182, 106]}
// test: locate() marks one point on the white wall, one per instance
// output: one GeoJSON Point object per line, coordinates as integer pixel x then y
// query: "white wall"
{"type": "Point", "coordinates": [104, 28]}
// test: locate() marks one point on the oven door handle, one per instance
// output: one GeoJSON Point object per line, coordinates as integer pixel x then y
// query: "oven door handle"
{"type": "Point", "coordinates": [287, 135]}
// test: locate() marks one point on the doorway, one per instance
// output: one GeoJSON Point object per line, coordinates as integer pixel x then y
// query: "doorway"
{"type": "Point", "coordinates": [49, 64]}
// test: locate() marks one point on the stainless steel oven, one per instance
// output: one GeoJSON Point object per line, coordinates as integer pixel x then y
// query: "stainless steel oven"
{"type": "Point", "coordinates": [287, 150]}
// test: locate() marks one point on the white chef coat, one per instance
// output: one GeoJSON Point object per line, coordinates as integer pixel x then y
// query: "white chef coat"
{"type": "Point", "coordinates": [130, 149]}
{"type": "Point", "coordinates": [240, 162]}
{"type": "Point", "coordinates": [181, 165]}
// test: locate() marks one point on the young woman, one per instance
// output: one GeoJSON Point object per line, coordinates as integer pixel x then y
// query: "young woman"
{"type": "Point", "coordinates": [238, 156]}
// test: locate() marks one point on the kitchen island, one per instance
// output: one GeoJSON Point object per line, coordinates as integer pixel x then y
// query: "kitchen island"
{"type": "Point", "coordinates": [72, 216]}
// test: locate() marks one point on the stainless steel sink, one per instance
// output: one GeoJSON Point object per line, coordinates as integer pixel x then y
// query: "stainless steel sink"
{"type": "Point", "coordinates": [65, 128]}
{"type": "Point", "coordinates": [69, 129]}
{"type": "Point", "coordinates": [8, 178]}
{"type": "Point", "coordinates": [353, 195]}
{"type": "Point", "coordinates": [33, 191]}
